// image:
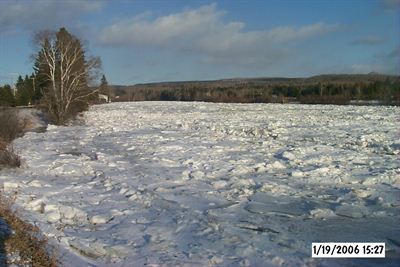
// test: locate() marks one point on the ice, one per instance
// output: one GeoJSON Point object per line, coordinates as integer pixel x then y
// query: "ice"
{"type": "Point", "coordinates": [72, 215]}
{"type": "Point", "coordinates": [322, 213]}
{"type": "Point", "coordinates": [35, 183]}
{"type": "Point", "coordinates": [220, 185]}
{"type": "Point", "coordinates": [288, 156]}
{"type": "Point", "coordinates": [297, 173]}
{"type": "Point", "coordinates": [352, 211]}
{"type": "Point", "coordinates": [264, 203]}
{"type": "Point", "coordinates": [276, 165]}
{"type": "Point", "coordinates": [100, 219]}
{"type": "Point", "coordinates": [37, 205]}
{"type": "Point", "coordinates": [7, 186]}
{"type": "Point", "coordinates": [88, 248]}
{"type": "Point", "coordinates": [202, 184]}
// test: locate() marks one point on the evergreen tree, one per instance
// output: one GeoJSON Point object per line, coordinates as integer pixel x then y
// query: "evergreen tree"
{"type": "Point", "coordinates": [25, 91]}
{"type": "Point", "coordinates": [104, 88]}
{"type": "Point", "coordinates": [19, 86]}
{"type": "Point", "coordinates": [40, 79]}
{"type": "Point", "coordinates": [6, 96]}
{"type": "Point", "coordinates": [29, 91]}
{"type": "Point", "coordinates": [37, 84]}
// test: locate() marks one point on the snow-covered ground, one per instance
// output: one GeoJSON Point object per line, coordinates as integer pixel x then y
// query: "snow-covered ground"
{"type": "Point", "coordinates": [198, 184]}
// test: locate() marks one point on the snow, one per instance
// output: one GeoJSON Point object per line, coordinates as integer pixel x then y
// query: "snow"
{"type": "Point", "coordinates": [32, 118]}
{"type": "Point", "coordinates": [202, 184]}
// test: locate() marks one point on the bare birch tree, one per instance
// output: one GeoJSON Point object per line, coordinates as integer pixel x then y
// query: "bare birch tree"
{"type": "Point", "coordinates": [61, 61]}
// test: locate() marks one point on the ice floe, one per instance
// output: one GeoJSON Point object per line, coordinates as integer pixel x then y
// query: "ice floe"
{"type": "Point", "coordinates": [203, 184]}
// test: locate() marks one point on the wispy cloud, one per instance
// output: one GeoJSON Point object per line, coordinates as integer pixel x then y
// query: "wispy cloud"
{"type": "Point", "coordinates": [365, 68]}
{"type": "Point", "coordinates": [204, 31]}
{"type": "Point", "coordinates": [34, 15]}
{"type": "Point", "coordinates": [391, 60]}
{"type": "Point", "coordinates": [390, 4]}
{"type": "Point", "coordinates": [394, 54]}
{"type": "Point", "coordinates": [368, 40]}
{"type": "Point", "coordinates": [387, 62]}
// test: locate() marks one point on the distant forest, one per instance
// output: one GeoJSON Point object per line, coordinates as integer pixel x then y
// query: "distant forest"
{"type": "Point", "coordinates": [322, 89]}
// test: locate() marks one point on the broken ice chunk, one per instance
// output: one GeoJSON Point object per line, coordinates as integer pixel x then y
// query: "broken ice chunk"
{"type": "Point", "coordinates": [288, 155]}
{"type": "Point", "coordinates": [88, 249]}
{"type": "Point", "coordinates": [322, 213]}
{"type": "Point", "coordinates": [351, 211]}
{"type": "Point", "coordinates": [276, 165]}
{"type": "Point", "coordinates": [37, 205]}
{"type": "Point", "coordinates": [297, 173]}
{"type": "Point", "coordinates": [100, 219]}
{"type": "Point", "coordinates": [219, 184]}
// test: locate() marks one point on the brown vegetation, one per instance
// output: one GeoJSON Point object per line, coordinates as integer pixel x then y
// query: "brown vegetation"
{"type": "Point", "coordinates": [26, 243]}
{"type": "Point", "coordinates": [7, 155]}
{"type": "Point", "coordinates": [11, 128]}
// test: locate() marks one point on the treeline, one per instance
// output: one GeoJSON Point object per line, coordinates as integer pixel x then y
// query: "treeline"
{"type": "Point", "coordinates": [7, 96]}
{"type": "Point", "coordinates": [326, 89]}
{"type": "Point", "coordinates": [25, 92]}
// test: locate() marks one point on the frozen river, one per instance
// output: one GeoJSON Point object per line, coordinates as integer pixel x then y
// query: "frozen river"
{"type": "Point", "coordinates": [202, 184]}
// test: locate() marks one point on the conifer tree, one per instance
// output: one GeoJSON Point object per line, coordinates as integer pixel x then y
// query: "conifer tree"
{"type": "Point", "coordinates": [6, 96]}
{"type": "Point", "coordinates": [104, 88]}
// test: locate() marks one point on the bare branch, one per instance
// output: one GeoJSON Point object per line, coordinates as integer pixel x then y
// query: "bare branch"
{"type": "Point", "coordinates": [62, 61]}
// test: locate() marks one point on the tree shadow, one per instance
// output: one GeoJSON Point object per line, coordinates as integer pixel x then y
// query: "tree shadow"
{"type": "Point", "coordinates": [5, 232]}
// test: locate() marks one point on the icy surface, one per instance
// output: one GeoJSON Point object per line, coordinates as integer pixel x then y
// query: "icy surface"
{"type": "Point", "coordinates": [201, 184]}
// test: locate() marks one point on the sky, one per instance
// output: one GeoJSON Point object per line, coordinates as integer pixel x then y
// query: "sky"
{"type": "Point", "coordinates": [170, 40]}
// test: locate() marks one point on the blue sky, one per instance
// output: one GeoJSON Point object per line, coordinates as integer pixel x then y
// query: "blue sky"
{"type": "Point", "coordinates": [151, 41]}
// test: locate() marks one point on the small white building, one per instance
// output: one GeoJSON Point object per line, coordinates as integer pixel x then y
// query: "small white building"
{"type": "Point", "coordinates": [104, 98]}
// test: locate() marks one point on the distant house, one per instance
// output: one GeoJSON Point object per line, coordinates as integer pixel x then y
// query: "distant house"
{"type": "Point", "coordinates": [104, 98]}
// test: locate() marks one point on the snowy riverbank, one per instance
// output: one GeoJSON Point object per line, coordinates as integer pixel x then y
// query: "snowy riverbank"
{"type": "Point", "coordinates": [195, 184]}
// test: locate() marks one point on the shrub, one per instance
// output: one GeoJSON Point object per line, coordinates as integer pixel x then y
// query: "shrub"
{"type": "Point", "coordinates": [11, 126]}
{"type": "Point", "coordinates": [8, 156]}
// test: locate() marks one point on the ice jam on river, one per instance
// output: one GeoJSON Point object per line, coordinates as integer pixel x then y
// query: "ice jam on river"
{"type": "Point", "coordinates": [203, 184]}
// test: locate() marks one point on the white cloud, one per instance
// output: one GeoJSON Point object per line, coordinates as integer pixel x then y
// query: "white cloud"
{"type": "Point", "coordinates": [285, 34]}
{"type": "Point", "coordinates": [390, 4]}
{"type": "Point", "coordinates": [385, 62]}
{"type": "Point", "coordinates": [368, 40]}
{"type": "Point", "coordinates": [204, 31]}
{"type": "Point", "coordinates": [365, 68]}
{"type": "Point", "coordinates": [162, 30]}
{"type": "Point", "coordinates": [34, 15]}
{"type": "Point", "coordinates": [394, 54]}
{"type": "Point", "coordinates": [390, 61]}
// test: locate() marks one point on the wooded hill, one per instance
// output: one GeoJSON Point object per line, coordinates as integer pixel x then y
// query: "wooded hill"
{"type": "Point", "coordinates": [325, 89]}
